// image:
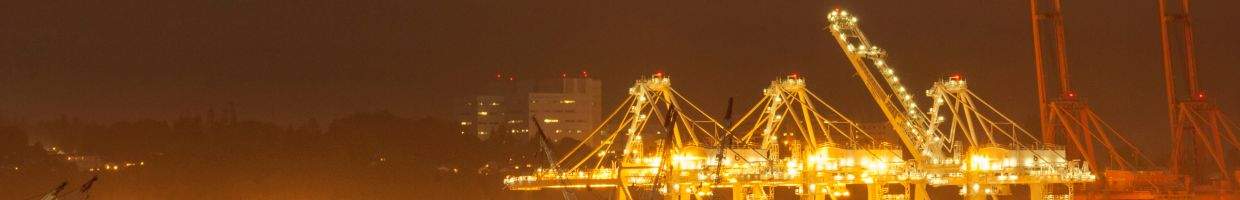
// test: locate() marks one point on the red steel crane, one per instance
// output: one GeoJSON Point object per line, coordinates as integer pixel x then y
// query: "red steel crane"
{"type": "Point", "coordinates": [1069, 121]}
{"type": "Point", "coordinates": [1198, 127]}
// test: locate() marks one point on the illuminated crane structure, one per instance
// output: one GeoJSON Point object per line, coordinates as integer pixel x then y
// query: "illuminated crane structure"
{"type": "Point", "coordinates": [1069, 121]}
{"type": "Point", "coordinates": [988, 166]}
{"type": "Point", "coordinates": [1198, 127]}
{"type": "Point", "coordinates": [793, 139]}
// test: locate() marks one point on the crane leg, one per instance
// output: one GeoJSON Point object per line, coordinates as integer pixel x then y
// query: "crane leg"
{"type": "Point", "coordinates": [1037, 191]}
{"type": "Point", "coordinates": [621, 193]}
{"type": "Point", "coordinates": [738, 191]}
{"type": "Point", "coordinates": [874, 191]}
{"type": "Point", "coordinates": [920, 193]}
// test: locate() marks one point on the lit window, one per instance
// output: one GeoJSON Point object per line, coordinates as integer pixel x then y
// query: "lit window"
{"type": "Point", "coordinates": [551, 121]}
{"type": "Point", "coordinates": [482, 113]}
{"type": "Point", "coordinates": [494, 104]}
{"type": "Point", "coordinates": [568, 101]}
{"type": "Point", "coordinates": [464, 123]}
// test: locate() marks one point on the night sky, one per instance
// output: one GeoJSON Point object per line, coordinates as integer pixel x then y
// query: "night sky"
{"type": "Point", "coordinates": [288, 61]}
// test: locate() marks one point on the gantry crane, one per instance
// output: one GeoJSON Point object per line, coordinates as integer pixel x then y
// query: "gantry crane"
{"type": "Point", "coordinates": [1207, 129]}
{"type": "Point", "coordinates": [978, 162]}
{"type": "Point", "coordinates": [826, 150]}
{"type": "Point", "coordinates": [1068, 121]}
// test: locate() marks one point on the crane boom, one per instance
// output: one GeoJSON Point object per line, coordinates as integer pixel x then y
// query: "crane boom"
{"type": "Point", "coordinates": [910, 124]}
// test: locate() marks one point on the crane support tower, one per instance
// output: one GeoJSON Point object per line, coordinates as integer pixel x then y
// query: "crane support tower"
{"type": "Point", "coordinates": [1198, 126]}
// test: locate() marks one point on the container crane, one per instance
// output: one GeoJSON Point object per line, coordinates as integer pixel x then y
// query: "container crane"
{"type": "Point", "coordinates": [1197, 125]}
{"type": "Point", "coordinates": [1068, 119]}
{"type": "Point", "coordinates": [977, 163]}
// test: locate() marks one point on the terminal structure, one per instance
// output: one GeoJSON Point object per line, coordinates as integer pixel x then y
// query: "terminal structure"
{"type": "Point", "coordinates": [657, 144]}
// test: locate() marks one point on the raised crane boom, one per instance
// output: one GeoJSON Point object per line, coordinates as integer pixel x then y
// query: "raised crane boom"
{"type": "Point", "coordinates": [915, 131]}
{"type": "Point", "coordinates": [985, 160]}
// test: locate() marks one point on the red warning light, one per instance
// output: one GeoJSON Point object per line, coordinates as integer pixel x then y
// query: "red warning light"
{"type": "Point", "coordinates": [1200, 96]}
{"type": "Point", "coordinates": [585, 74]}
{"type": "Point", "coordinates": [498, 76]}
{"type": "Point", "coordinates": [956, 77]}
{"type": "Point", "coordinates": [794, 75]}
{"type": "Point", "coordinates": [658, 73]}
{"type": "Point", "coordinates": [1070, 95]}
{"type": "Point", "coordinates": [563, 75]}
{"type": "Point", "coordinates": [512, 78]}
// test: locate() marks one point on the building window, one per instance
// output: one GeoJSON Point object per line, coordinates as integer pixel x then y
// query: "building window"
{"type": "Point", "coordinates": [464, 123]}
{"type": "Point", "coordinates": [568, 101]}
{"type": "Point", "coordinates": [550, 121]}
{"type": "Point", "coordinates": [482, 113]}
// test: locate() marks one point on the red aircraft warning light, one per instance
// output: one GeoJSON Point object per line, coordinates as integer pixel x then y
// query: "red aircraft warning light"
{"type": "Point", "coordinates": [956, 77]}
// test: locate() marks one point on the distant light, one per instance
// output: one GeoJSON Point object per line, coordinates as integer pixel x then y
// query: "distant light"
{"type": "Point", "coordinates": [585, 74]}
